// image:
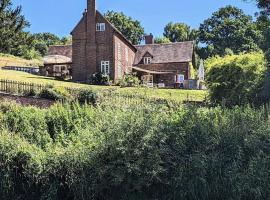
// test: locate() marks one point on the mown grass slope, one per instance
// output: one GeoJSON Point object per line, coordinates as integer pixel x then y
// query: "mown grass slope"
{"type": "Point", "coordinates": [171, 94]}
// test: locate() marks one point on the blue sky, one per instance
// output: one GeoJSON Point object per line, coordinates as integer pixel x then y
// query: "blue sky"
{"type": "Point", "coordinates": [60, 16]}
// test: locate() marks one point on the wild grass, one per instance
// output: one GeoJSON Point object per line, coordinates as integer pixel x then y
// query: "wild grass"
{"type": "Point", "coordinates": [125, 151]}
{"type": "Point", "coordinates": [10, 60]}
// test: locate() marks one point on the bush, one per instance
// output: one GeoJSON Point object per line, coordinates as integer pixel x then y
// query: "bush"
{"type": "Point", "coordinates": [55, 93]}
{"type": "Point", "coordinates": [99, 79]}
{"type": "Point", "coordinates": [235, 79]}
{"type": "Point", "coordinates": [129, 80]}
{"type": "Point", "coordinates": [31, 93]}
{"type": "Point", "coordinates": [88, 96]}
{"type": "Point", "coordinates": [141, 152]}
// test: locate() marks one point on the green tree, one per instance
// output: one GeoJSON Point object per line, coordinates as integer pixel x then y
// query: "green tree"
{"type": "Point", "coordinates": [12, 24]}
{"type": "Point", "coordinates": [130, 28]}
{"type": "Point", "coordinates": [229, 28]}
{"type": "Point", "coordinates": [162, 40]}
{"type": "Point", "coordinates": [42, 41]}
{"type": "Point", "coordinates": [179, 32]}
{"type": "Point", "coordinates": [66, 40]}
{"type": "Point", "coordinates": [237, 79]}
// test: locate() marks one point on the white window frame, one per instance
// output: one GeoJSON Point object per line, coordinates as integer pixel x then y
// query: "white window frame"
{"type": "Point", "coordinates": [100, 27]}
{"type": "Point", "coordinates": [105, 67]}
{"type": "Point", "coordinates": [147, 60]}
{"type": "Point", "coordinates": [58, 68]}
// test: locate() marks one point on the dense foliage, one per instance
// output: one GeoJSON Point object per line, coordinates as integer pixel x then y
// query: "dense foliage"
{"type": "Point", "coordinates": [130, 28]}
{"type": "Point", "coordinates": [120, 151]}
{"type": "Point", "coordinates": [229, 28]}
{"type": "Point", "coordinates": [16, 41]}
{"type": "Point", "coordinates": [129, 80]}
{"type": "Point", "coordinates": [179, 32]}
{"type": "Point", "coordinates": [235, 79]}
{"type": "Point", "coordinates": [162, 40]}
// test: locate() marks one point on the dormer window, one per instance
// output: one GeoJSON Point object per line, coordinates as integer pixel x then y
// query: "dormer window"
{"type": "Point", "coordinates": [100, 27]}
{"type": "Point", "coordinates": [147, 60]}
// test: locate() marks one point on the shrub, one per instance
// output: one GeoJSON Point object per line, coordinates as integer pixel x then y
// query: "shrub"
{"type": "Point", "coordinates": [31, 93]}
{"type": "Point", "coordinates": [129, 80]}
{"type": "Point", "coordinates": [55, 93]}
{"type": "Point", "coordinates": [236, 79]}
{"type": "Point", "coordinates": [136, 152]}
{"type": "Point", "coordinates": [99, 79]}
{"type": "Point", "coordinates": [88, 96]}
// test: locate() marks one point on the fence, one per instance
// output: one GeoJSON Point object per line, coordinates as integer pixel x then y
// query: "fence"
{"type": "Point", "coordinates": [31, 70]}
{"type": "Point", "coordinates": [107, 96]}
{"type": "Point", "coordinates": [16, 87]}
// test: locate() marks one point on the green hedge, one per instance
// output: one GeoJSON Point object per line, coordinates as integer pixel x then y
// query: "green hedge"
{"type": "Point", "coordinates": [146, 153]}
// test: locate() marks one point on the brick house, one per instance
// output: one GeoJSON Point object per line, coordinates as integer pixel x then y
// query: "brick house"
{"type": "Point", "coordinates": [164, 63]}
{"type": "Point", "coordinates": [97, 46]}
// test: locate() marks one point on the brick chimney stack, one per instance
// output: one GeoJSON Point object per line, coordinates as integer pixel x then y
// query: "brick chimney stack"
{"type": "Point", "coordinates": [91, 5]}
{"type": "Point", "coordinates": [90, 52]}
{"type": "Point", "coordinates": [149, 39]}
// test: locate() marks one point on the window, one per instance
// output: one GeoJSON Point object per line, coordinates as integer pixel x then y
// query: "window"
{"type": "Point", "coordinates": [119, 70]}
{"type": "Point", "coordinates": [119, 51]}
{"type": "Point", "coordinates": [58, 68]}
{"type": "Point", "coordinates": [105, 67]}
{"type": "Point", "coordinates": [126, 54]}
{"type": "Point", "coordinates": [147, 60]}
{"type": "Point", "coordinates": [100, 27]}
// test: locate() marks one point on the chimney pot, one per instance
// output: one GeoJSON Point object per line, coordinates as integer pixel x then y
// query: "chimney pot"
{"type": "Point", "coordinates": [149, 39]}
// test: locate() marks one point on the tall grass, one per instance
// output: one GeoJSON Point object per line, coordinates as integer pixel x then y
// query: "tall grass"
{"type": "Point", "coordinates": [124, 151]}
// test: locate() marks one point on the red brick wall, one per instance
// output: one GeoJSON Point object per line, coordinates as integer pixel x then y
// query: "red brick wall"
{"type": "Point", "coordinates": [126, 59]}
{"type": "Point", "coordinates": [91, 47]}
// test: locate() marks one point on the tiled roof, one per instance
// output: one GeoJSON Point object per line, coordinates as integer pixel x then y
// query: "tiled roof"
{"type": "Point", "coordinates": [56, 59]}
{"type": "Point", "coordinates": [166, 53]}
{"type": "Point", "coordinates": [62, 50]}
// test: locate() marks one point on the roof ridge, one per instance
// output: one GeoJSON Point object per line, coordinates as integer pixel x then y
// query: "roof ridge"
{"type": "Point", "coordinates": [165, 43]}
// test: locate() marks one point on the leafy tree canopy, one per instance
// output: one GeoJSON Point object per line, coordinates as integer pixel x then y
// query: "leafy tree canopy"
{"type": "Point", "coordinates": [229, 28]}
{"type": "Point", "coordinates": [179, 32]}
{"type": "Point", "coordinates": [236, 79]}
{"type": "Point", "coordinates": [130, 28]}
{"type": "Point", "coordinates": [162, 40]}
{"type": "Point", "coordinates": [12, 24]}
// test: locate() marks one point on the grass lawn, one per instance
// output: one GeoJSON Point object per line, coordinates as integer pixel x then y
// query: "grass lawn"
{"type": "Point", "coordinates": [172, 94]}
{"type": "Point", "coordinates": [9, 60]}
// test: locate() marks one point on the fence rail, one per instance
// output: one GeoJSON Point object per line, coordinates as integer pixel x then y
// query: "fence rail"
{"type": "Point", "coordinates": [110, 96]}
{"type": "Point", "coordinates": [16, 87]}
{"type": "Point", "coordinates": [31, 70]}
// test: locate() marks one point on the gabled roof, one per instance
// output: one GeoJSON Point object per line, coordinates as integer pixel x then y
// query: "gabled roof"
{"type": "Point", "coordinates": [64, 50]}
{"type": "Point", "coordinates": [166, 53]}
{"type": "Point", "coordinates": [117, 31]}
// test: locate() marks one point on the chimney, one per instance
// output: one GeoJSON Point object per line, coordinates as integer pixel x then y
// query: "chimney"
{"type": "Point", "coordinates": [149, 39]}
{"type": "Point", "coordinates": [91, 6]}
{"type": "Point", "coordinates": [91, 21]}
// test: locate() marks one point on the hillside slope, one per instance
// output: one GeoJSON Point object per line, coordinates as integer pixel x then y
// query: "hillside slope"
{"type": "Point", "coordinates": [9, 60]}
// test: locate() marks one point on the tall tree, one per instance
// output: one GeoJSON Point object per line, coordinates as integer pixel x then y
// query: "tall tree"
{"type": "Point", "coordinates": [179, 32]}
{"type": "Point", "coordinates": [12, 24]}
{"type": "Point", "coordinates": [229, 28]}
{"type": "Point", "coordinates": [130, 28]}
{"type": "Point", "coordinates": [162, 40]}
